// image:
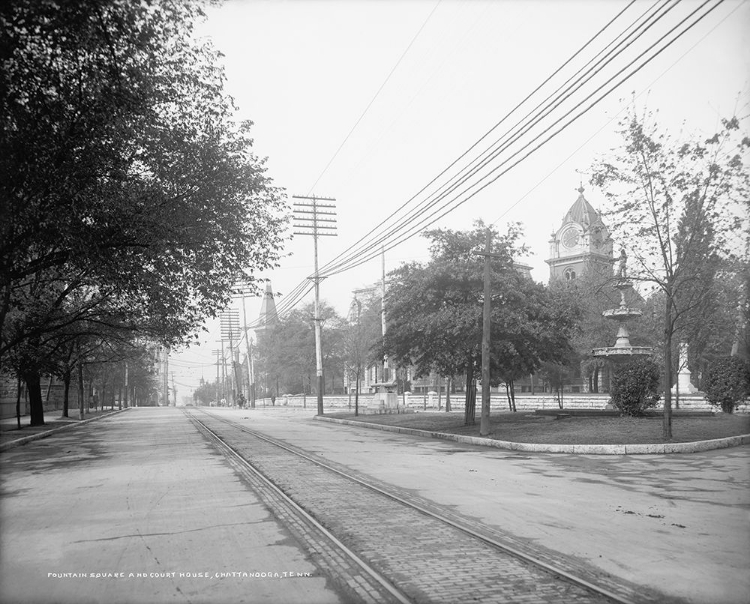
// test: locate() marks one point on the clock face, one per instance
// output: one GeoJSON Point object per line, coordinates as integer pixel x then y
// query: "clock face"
{"type": "Point", "coordinates": [570, 237]}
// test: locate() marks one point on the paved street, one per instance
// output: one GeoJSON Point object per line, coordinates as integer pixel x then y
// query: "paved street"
{"type": "Point", "coordinates": [138, 508]}
{"type": "Point", "coordinates": [141, 492]}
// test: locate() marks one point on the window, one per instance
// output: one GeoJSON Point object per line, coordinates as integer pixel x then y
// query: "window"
{"type": "Point", "coordinates": [570, 274]}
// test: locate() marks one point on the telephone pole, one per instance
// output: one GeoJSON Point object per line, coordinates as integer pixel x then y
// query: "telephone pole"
{"type": "Point", "coordinates": [218, 354]}
{"type": "Point", "coordinates": [230, 330]}
{"type": "Point", "coordinates": [310, 218]}
{"type": "Point", "coordinates": [242, 290]}
{"type": "Point", "coordinates": [484, 423]}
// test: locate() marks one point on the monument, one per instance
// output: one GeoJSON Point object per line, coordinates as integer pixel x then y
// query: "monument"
{"type": "Point", "coordinates": [623, 350]}
{"type": "Point", "coordinates": [684, 383]}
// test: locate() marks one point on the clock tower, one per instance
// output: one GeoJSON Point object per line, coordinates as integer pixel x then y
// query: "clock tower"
{"type": "Point", "coordinates": [581, 245]}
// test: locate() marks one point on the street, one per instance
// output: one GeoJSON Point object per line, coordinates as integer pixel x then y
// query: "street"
{"type": "Point", "coordinates": [138, 507]}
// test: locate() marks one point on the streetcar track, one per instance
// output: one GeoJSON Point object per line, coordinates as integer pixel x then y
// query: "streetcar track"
{"type": "Point", "coordinates": [548, 568]}
{"type": "Point", "coordinates": [309, 519]}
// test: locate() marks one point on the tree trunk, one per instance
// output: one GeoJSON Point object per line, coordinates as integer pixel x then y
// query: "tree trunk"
{"type": "Point", "coordinates": [18, 401]}
{"type": "Point", "coordinates": [66, 391]}
{"type": "Point", "coordinates": [470, 406]}
{"type": "Point", "coordinates": [507, 395]}
{"type": "Point", "coordinates": [666, 431]}
{"type": "Point", "coordinates": [81, 393]}
{"type": "Point", "coordinates": [356, 397]}
{"type": "Point", "coordinates": [36, 404]}
{"type": "Point", "coordinates": [513, 395]}
{"type": "Point", "coordinates": [448, 394]}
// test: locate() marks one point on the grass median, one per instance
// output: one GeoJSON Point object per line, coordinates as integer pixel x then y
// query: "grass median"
{"type": "Point", "coordinates": [575, 430]}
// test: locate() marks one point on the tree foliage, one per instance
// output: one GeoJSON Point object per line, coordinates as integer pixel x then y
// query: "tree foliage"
{"type": "Point", "coordinates": [679, 205]}
{"type": "Point", "coordinates": [362, 341]}
{"type": "Point", "coordinates": [635, 387]}
{"type": "Point", "coordinates": [434, 312]}
{"type": "Point", "coordinates": [129, 195]}
{"type": "Point", "coordinates": [727, 382]}
{"type": "Point", "coordinates": [287, 363]}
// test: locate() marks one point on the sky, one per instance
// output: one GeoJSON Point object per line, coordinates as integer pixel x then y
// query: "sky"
{"type": "Point", "coordinates": [366, 102]}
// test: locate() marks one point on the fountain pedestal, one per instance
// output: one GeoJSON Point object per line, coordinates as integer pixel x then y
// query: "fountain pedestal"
{"type": "Point", "coordinates": [623, 350]}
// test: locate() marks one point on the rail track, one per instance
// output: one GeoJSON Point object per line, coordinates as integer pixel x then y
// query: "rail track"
{"type": "Point", "coordinates": [379, 544]}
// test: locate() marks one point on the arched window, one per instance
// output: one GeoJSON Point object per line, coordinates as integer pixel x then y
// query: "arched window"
{"type": "Point", "coordinates": [570, 274]}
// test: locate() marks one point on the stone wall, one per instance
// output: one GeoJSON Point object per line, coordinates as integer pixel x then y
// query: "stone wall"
{"type": "Point", "coordinates": [498, 402]}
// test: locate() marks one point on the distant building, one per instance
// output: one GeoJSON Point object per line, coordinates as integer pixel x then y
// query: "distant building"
{"type": "Point", "coordinates": [582, 244]}
{"type": "Point", "coordinates": [268, 316]}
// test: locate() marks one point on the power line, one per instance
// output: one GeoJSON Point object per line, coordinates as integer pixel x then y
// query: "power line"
{"type": "Point", "coordinates": [388, 77]}
{"type": "Point", "coordinates": [456, 201]}
{"type": "Point", "coordinates": [363, 250]}
{"type": "Point", "coordinates": [379, 227]}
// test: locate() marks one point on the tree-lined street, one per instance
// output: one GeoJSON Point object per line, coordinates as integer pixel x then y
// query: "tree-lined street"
{"type": "Point", "coordinates": [143, 492]}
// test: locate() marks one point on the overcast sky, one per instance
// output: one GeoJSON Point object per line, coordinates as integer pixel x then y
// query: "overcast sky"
{"type": "Point", "coordinates": [368, 101]}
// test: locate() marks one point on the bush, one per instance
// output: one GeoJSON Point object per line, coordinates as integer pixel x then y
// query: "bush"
{"type": "Point", "coordinates": [635, 387]}
{"type": "Point", "coordinates": [727, 383]}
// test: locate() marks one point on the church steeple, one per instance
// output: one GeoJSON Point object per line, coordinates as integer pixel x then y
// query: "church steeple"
{"type": "Point", "coordinates": [268, 315]}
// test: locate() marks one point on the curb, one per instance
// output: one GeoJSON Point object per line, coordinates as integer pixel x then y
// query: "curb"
{"type": "Point", "coordinates": [39, 435]}
{"type": "Point", "coordinates": [650, 449]}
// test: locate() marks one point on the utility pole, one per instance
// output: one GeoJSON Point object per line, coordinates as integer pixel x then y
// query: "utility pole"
{"type": "Point", "coordinates": [230, 330]}
{"type": "Point", "coordinates": [484, 423]}
{"type": "Point", "coordinates": [386, 376]}
{"type": "Point", "coordinates": [249, 347]}
{"type": "Point", "coordinates": [218, 386]}
{"type": "Point", "coordinates": [308, 219]}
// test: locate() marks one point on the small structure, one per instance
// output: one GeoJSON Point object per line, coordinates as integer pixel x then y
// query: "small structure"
{"type": "Point", "coordinates": [684, 383]}
{"type": "Point", "coordinates": [622, 351]}
{"type": "Point", "coordinates": [385, 400]}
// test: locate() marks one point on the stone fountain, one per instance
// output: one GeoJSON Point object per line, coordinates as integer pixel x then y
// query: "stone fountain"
{"type": "Point", "coordinates": [622, 350]}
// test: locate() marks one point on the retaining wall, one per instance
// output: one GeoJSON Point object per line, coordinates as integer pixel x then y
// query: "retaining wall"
{"type": "Point", "coordinates": [498, 402]}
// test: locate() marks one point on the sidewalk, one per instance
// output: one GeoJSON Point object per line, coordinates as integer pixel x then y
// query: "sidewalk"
{"type": "Point", "coordinates": [11, 436]}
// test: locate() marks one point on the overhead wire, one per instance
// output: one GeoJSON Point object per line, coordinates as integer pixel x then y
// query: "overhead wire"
{"type": "Point", "coordinates": [458, 199]}
{"type": "Point", "coordinates": [588, 140]}
{"type": "Point", "coordinates": [388, 77]}
{"type": "Point", "coordinates": [363, 251]}
{"type": "Point", "coordinates": [357, 248]}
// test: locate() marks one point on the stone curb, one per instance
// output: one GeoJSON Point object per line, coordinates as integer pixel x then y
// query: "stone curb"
{"type": "Point", "coordinates": [39, 435]}
{"type": "Point", "coordinates": [651, 449]}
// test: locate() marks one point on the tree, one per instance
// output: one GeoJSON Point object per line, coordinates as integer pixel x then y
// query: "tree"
{"type": "Point", "coordinates": [287, 351]}
{"type": "Point", "coordinates": [727, 382]}
{"type": "Point", "coordinates": [123, 174]}
{"type": "Point", "coordinates": [434, 312]}
{"type": "Point", "coordinates": [676, 204]}
{"type": "Point", "coordinates": [362, 341]}
{"type": "Point", "coordinates": [635, 387]}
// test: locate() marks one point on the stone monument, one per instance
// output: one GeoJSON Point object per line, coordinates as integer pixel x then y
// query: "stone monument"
{"type": "Point", "coordinates": [684, 383]}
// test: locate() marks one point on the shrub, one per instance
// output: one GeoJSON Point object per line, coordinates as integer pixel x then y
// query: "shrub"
{"type": "Point", "coordinates": [635, 387]}
{"type": "Point", "coordinates": [727, 383]}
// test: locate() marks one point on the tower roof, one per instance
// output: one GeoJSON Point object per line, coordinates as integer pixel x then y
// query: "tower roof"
{"type": "Point", "coordinates": [268, 315]}
{"type": "Point", "coordinates": [582, 211]}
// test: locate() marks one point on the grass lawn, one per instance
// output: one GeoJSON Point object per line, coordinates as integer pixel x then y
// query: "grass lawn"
{"type": "Point", "coordinates": [531, 428]}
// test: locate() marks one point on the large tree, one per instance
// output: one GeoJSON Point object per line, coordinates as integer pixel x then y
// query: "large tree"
{"type": "Point", "coordinates": [434, 312]}
{"type": "Point", "coordinates": [122, 173]}
{"type": "Point", "coordinates": [678, 205]}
